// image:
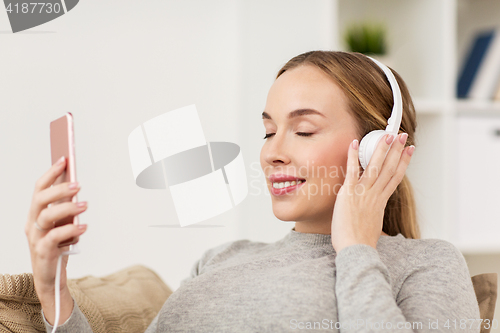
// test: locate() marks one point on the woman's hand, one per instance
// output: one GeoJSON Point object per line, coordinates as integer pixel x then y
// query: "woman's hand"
{"type": "Point", "coordinates": [43, 238]}
{"type": "Point", "coordinates": [359, 208]}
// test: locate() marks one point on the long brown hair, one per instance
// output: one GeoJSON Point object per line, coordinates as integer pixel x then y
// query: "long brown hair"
{"type": "Point", "coordinates": [370, 102]}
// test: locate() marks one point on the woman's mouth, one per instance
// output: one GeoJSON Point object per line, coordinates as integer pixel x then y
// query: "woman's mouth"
{"type": "Point", "coordinates": [281, 188]}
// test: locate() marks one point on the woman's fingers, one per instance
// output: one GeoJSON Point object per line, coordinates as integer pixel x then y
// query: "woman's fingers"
{"type": "Point", "coordinates": [56, 212]}
{"type": "Point", "coordinates": [372, 171]}
{"type": "Point", "coordinates": [43, 183]}
{"type": "Point", "coordinates": [352, 174]}
{"type": "Point", "coordinates": [50, 195]}
{"type": "Point", "coordinates": [57, 235]}
{"type": "Point", "coordinates": [51, 175]}
{"type": "Point", "coordinates": [391, 162]}
{"type": "Point", "coordinates": [45, 220]}
{"type": "Point", "coordinates": [400, 172]}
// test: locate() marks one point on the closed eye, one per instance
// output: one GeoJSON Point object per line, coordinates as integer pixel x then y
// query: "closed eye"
{"type": "Point", "coordinates": [268, 135]}
{"type": "Point", "coordinates": [298, 133]}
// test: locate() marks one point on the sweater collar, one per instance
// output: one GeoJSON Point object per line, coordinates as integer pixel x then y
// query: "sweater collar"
{"type": "Point", "coordinates": [308, 240]}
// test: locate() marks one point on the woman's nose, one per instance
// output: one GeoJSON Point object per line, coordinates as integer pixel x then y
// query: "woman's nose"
{"type": "Point", "coordinates": [276, 151]}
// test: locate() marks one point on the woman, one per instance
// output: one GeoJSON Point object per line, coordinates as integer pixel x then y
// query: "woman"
{"type": "Point", "coordinates": [353, 261]}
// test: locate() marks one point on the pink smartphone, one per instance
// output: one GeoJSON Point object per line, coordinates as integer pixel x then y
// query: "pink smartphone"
{"type": "Point", "coordinates": [62, 143]}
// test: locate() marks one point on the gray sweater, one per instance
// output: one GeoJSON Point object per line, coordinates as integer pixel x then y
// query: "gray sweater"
{"type": "Point", "coordinates": [300, 283]}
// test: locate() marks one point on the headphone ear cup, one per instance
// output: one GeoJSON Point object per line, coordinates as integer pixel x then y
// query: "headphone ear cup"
{"type": "Point", "coordinates": [367, 146]}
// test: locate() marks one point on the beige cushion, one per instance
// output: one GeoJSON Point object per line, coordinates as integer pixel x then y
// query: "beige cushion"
{"type": "Point", "coordinates": [126, 301]}
{"type": "Point", "coordinates": [485, 286]}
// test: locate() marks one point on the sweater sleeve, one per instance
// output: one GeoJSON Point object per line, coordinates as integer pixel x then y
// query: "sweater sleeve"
{"type": "Point", "coordinates": [75, 323]}
{"type": "Point", "coordinates": [436, 295]}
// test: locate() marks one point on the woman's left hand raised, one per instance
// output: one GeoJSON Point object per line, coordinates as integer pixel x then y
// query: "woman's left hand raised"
{"type": "Point", "coordinates": [358, 213]}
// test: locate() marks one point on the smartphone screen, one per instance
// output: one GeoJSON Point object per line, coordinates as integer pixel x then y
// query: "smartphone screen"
{"type": "Point", "coordinates": [62, 143]}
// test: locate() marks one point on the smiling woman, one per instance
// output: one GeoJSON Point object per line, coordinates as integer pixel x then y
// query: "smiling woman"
{"type": "Point", "coordinates": [332, 98]}
{"type": "Point", "coordinates": [354, 260]}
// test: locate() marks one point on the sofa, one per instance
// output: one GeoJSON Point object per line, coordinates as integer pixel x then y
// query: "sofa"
{"type": "Point", "coordinates": [128, 300]}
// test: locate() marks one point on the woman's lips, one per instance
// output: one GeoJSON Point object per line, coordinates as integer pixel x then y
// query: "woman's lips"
{"type": "Point", "coordinates": [285, 190]}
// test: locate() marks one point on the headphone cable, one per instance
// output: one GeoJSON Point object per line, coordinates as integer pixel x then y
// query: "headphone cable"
{"type": "Point", "coordinates": [73, 249]}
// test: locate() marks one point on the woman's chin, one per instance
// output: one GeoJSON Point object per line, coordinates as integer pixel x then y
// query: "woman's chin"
{"type": "Point", "coordinates": [284, 214]}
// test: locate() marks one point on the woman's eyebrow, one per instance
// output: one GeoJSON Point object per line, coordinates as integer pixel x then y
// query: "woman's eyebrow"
{"type": "Point", "coordinates": [296, 113]}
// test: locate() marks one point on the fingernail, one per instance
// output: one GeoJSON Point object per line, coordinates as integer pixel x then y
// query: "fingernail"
{"type": "Point", "coordinates": [82, 226]}
{"type": "Point", "coordinates": [72, 186]}
{"type": "Point", "coordinates": [411, 149]}
{"type": "Point", "coordinates": [403, 137]}
{"type": "Point", "coordinates": [354, 144]}
{"type": "Point", "coordinates": [81, 204]}
{"type": "Point", "coordinates": [389, 139]}
{"type": "Point", "coordinates": [60, 161]}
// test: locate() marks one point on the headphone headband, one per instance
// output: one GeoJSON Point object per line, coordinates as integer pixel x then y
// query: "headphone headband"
{"type": "Point", "coordinates": [369, 141]}
{"type": "Point", "coordinates": [394, 122]}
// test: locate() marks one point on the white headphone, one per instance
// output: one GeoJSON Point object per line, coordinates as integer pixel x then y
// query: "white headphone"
{"type": "Point", "coordinates": [369, 142]}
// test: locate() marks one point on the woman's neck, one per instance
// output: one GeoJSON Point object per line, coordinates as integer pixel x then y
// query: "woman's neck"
{"type": "Point", "coordinates": [318, 228]}
{"type": "Point", "coordinates": [310, 227]}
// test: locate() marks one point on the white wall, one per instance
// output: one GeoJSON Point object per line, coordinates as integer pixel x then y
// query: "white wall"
{"type": "Point", "coordinates": [273, 34]}
{"type": "Point", "coordinates": [115, 64]}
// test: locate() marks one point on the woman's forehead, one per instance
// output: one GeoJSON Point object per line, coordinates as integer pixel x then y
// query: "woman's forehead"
{"type": "Point", "coordinates": [305, 87]}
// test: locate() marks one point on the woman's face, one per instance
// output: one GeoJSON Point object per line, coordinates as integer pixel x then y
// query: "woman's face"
{"type": "Point", "coordinates": [320, 159]}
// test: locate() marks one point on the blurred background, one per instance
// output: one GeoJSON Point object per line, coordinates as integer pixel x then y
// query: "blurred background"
{"type": "Point", "coordinates": [115, 64]}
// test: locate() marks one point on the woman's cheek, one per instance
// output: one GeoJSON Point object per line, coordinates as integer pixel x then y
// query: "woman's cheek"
{"type": "Point", "coordinates": [336, 169]}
